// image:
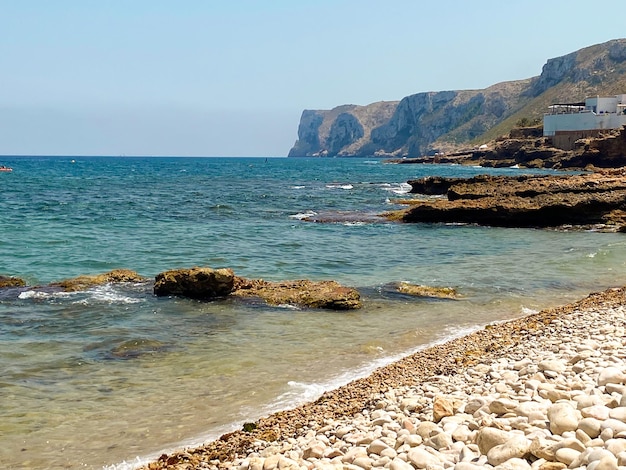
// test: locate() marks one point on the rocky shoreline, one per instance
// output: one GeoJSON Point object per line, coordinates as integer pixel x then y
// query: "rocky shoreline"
{"type": "Point", "coordinates": [594, 200]}
{"type": "Point", "coordinates": [546, 391]}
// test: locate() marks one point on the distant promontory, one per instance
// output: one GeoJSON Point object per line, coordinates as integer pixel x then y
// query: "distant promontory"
{"type": "Point", "coordinates": [442, 121]}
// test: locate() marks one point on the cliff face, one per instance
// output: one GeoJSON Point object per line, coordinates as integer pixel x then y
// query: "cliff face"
{"type": "Point", "coordinates": [425, 123]}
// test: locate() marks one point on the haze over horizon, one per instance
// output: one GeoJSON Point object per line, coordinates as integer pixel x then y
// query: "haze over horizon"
{"type": "Point", "coordinates": [209, 78]}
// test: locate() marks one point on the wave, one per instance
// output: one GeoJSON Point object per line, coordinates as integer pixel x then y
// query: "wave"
{"type": "Point", "coordinates": [340, 186]}
{"type": "Point", "coordinates": [303, 215]}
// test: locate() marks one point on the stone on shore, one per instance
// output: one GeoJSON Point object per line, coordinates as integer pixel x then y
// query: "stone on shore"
{"type": "Point", "coordinates": [522, 407]}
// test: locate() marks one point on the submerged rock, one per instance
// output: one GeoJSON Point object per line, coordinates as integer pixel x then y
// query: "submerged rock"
{"type": "Point", "coordinates": [87, 281]}
{"type": "Point", "coordinates": [10, 281]}
{"type": "Point", "coordinates": [195, 283]}
{"type": "Point", "coordinates": [301, 293]}
{"type": "Point", "coordinates": [427, 291]}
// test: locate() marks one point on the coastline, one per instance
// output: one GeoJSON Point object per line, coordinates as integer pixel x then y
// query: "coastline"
{"type": "Point", "coordinates": [281, 435]}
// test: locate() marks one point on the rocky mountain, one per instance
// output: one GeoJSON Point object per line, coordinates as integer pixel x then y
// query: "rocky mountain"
{"type": "Point", "coordinates": [431, 122]}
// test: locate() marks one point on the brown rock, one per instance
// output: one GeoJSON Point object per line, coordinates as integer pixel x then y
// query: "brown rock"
{"type": "Point", "coordinates": [427, 291]}
{"type": "Point", "coordinates": [303, 293]}
{"type": "Point", "coordinates": [87, 281]}
{"type": "Point", "coordinates": [528, 201]}
{"type": "Point", "coordinates": [195, 283]}
{"type": "Point", "coordinates": [442, 407]}
{"type": "Point", "coordinates": [10, 281]}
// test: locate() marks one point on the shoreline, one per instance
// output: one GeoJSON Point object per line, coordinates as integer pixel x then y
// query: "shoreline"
{"type": "Point", "coordinates": [350, 401]}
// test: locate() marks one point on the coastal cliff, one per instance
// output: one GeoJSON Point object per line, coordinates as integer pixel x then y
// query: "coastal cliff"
{"type": "Point", "coordinates": [441, 121]}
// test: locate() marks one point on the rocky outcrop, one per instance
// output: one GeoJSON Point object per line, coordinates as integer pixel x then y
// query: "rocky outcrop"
{"type": "Point", "coordinates": [195, 283]}
{"type": "Point", "coordinates": [10, 281]}
{"type": "Point", "coordinates": [88, 281]}
{"type": "Point", "coordinates": [207, 283]}
{"type": "Point", "coordinates": [301, 293]}
{"type": "Point", "coordinates": [426, 123]}
{"type": "Point", "coordinates": [524, 148]}
{"type": "Point", "coordinates": [527, 201]}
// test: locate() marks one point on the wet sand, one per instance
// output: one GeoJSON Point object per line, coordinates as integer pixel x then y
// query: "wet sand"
{"type": "Point", "coordinates": [282, 432]}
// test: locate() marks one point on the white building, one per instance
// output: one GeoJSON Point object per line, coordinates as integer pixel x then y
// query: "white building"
{"type": "Point", "coordinates": [594, 114]}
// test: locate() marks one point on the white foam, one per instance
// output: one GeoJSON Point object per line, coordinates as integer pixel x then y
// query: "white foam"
{"type": "Point", "coordinates": [298, 187]}
{"type": "Point", "coordinates": [107, 294]}
{"type": "Point", "coordinates": [37, 294]}
{"type": "Point", "coordinates": [339, 186]}
{"type": "Point", "coordinates": [303, 215]}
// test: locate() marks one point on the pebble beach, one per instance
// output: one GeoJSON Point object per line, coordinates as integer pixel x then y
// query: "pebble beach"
{"type": "Point", "coordinates": [547, 391]}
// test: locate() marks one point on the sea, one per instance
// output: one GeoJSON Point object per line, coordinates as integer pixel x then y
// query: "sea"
{"type": "Point", "coordinates": [112, 377]}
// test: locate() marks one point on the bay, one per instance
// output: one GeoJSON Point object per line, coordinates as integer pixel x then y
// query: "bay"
{"type": "Point", "coordinates": [113, 376]}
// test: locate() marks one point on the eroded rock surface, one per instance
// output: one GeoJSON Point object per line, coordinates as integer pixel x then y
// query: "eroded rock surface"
{"type": "Point", "coordinates": [10, 281]}
{"type": "Point", "coordinates": [525, 201]}
{"type": "Point", "coordinates": [303, 293]}
{"type": "Point", "coordinates": [195, 283]}
{"type": "Point", "coordinates": [208, 283]}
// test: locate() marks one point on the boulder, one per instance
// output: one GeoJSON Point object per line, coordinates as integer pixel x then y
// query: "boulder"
{"type": "Point", "coordinates": [196, 283]}
{"type": "Point", "coordinates": [300, 293]}
{"type": "Point", "coordinates": [88, 281]}
{"type": "Point", "coordinates": [10, 281]}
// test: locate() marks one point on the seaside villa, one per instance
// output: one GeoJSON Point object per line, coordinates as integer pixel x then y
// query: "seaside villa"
{"type": "Point", "coordinates": [568, 122]}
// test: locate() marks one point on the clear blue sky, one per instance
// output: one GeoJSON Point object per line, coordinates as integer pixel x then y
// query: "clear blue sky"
{"type": "Point", "coordinates": [231, 77]}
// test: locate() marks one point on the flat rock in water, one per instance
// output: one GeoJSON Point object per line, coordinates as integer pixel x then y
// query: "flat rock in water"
{"type": "Point", "coordinates": [88, 281]}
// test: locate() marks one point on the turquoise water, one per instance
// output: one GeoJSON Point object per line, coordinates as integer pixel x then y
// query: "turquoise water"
{"type": "Point", "coordinates": [113, 375]}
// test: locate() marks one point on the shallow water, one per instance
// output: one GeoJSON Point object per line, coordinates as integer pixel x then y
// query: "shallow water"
{"type": "Point", "coordinates": [105, 376]}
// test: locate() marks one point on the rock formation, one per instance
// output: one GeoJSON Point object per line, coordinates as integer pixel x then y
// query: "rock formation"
{"type": "Point", "coordinates": [524, 201]}
{"type": "Point", "coordinates": [195, 283]}
{"type": "Point", "coordinates": [208, 283]}
{"type": "Point", "coordinates": [431, 122]}
{"type": "Point", "coordinates": [10, 281]}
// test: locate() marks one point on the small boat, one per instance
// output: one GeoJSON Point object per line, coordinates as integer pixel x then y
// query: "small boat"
{"type": "Point", "coordinates": [5, 168]}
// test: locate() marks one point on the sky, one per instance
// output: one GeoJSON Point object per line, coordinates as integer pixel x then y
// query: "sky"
{"type": "Point", "coordinates": [232, 77]}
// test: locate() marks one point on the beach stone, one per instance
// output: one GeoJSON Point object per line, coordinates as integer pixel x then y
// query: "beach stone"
{"type": "Point", "coordinates": [615, 446]}
{"type": "Point", "coordinates": [566, 456]}
{"type": "Point", "coordinates": [376, 447]}
{"type": "Point", "coordinates": [421, 458]}
{"type": "Point", "coordinates": [426, 429]}
{"type": "Point", "coordinates": [489, 437]}
{"type": "Point", "coordinates": [502, 406]}
{"type": "Point", "coordinates": [599, 412]}
{"type": "Point", "coordinates": [618, 413]}
{"type": "Point", "coordinates": [467, 466]}
{"type": "Point", "coordinates": [552, 466]}
{"type": "Point", "coordinates": [611, 375]}
{"type": "Point", "coordinates": [442, 407]}
{"type": "Point", "coordinates": [608, 462]}
{"type": "Point", "coordinates": [439, 441]}
{"type": "Point", "coordinates": [363, 462]}
{"type": "Point", "coordinates": [513, 464]}
{"type": "Point", "coordinates": [399, 464]}
{"type": "Point", "coordinates": [614, 425]}
{"type": "Point", "coordinates": [314, 450]}
{"type": "Point", "coordinates": [553, 365]}
{"type": "Point", "coordinates": [516, 447]}
{"type": "Point", "coordinates": [563, 417]}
